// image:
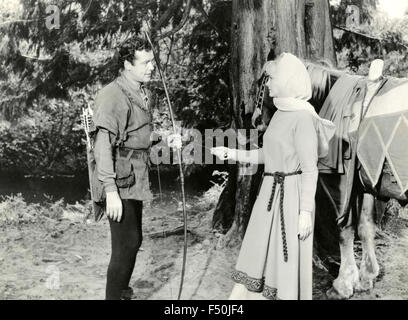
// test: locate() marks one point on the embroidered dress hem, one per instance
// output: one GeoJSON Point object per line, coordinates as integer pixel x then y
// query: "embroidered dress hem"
{"type": "Point", "coordinates": [255, 285]}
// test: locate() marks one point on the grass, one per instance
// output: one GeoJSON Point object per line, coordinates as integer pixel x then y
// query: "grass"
{"type": "Point", "coordinates": [15, 210]}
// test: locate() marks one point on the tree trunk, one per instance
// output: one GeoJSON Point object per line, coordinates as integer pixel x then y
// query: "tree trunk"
{"type": "Point", "coordinates": [319, 40]}
{"type": "Point", "coordinates": [261, 30]}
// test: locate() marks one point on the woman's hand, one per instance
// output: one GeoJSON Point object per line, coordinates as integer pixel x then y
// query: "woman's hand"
{"type": "Point", "coordinates": [224, 153]}
{"type": "Point", "coordinates": [114, 206]}
{"type": "Point", "coordinates": [305, 227]}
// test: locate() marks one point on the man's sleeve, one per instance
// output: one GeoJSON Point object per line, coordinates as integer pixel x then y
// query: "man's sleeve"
{"type": "Point", "coordinates": [111, 112]}
{"type": "Point", "coordinates": [110, 117]}
{"type": "Point", "coordinates": [104, 160]}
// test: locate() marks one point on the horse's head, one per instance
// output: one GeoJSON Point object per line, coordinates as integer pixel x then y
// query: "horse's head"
{"type": "Point", "coordinates": [323, 78]}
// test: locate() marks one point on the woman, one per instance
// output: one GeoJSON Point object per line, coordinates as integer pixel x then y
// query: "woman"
{"type": "Point", "coordinates": [275, 261]}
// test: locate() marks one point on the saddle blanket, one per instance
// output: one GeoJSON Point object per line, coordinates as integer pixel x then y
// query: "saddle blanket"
{"type": "Point", "coordinates": [383, 133]}
{"type": "Point", "coordinates": [344, 95]}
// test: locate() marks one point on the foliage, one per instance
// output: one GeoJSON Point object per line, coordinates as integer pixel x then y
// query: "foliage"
{"type": "Point", "coordinates": [339, 10]}
{"type": "Point", "coordinates": [48, 75]}
{"type": "Point", "coordinates": [37, 63]}
{"type": "Point", "coordinates": [48, 139]}
{"type": "Point", "coordinates": [209, 66]}
{"type": "Point", "coordinates": [210, 198]}
{"type": "Point", "coordinates": [15, 210]}
{"type": "Point", "coordinates": [378, 36]}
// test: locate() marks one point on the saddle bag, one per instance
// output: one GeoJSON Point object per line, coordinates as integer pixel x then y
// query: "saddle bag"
{"type": "Point", "coordinates": [125, 176]}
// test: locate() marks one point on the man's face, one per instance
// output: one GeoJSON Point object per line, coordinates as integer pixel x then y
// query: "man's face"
{"type": "Point", "coordinates": [142, 67]}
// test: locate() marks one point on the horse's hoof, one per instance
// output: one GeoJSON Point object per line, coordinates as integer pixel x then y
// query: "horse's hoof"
{"type": "Point", "coordinates": [365, 285]}
{"type": "Point", "coordinates": [333, 294]}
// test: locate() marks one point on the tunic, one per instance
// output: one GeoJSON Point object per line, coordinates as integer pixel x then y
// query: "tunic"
{"type": "Point", "coordinates": [290, 144]}
{"type": "Point", "coordinates": [122, 113]}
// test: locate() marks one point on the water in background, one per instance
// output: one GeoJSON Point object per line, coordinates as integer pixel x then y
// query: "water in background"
{"type": "Point", "coordinates": [37, 190]}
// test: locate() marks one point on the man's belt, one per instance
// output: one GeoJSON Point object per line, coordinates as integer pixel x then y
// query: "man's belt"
{"type": "Point", "coordinates": [135, 154]}
{"type": "Point", "coordinates": [279, 178]}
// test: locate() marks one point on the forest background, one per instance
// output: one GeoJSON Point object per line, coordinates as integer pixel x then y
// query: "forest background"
{"type": "Point", "coordinates": [48, 75]}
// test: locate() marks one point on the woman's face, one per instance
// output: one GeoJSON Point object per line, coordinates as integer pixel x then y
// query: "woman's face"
{"type": "Point", "coordinates": [274, 84]}
{"type": "Point", "coordinates": [288, 77]}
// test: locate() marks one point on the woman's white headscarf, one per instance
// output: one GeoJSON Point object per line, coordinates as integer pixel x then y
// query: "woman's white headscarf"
{"type": "Point", "coordinates": [296, 90]}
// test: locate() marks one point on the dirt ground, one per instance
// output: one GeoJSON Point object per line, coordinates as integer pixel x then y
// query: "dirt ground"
{"type": "Point", "coordinates": [68, 258]}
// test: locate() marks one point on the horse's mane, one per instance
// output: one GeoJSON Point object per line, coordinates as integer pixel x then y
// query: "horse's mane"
{"type": "Point", "coordinates": [323, 75]}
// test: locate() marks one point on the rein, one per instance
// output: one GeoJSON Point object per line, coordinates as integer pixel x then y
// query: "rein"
{"type": "Point", "coordinates": [260, 97]}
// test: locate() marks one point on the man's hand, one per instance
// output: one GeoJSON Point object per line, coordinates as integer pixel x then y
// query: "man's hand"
{"type": "Point", "coordinates": [174, 141]}
{"type": "Point", "coordinates": [114, 206]}
{"type": "Point", "coordinates": [305, 228]}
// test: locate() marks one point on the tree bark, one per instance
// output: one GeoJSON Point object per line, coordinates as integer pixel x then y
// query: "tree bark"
{"type": "Point", "coordinates": [262, 30]}
{"type": "Point", "coordinates": [319, 40]}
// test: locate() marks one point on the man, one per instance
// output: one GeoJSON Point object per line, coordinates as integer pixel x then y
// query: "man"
{"type": "Point", "coordinates": [123, 120]}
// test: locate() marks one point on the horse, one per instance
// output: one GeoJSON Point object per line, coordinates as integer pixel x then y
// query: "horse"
{"type": "Point", "coordinates": [357, 189]}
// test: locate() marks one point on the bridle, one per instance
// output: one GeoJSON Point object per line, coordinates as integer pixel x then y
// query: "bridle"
{"type": "Point", "coordinates": [260, 98]}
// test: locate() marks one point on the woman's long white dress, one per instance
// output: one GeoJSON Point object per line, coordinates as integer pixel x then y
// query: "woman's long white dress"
{"type": "Point", "coordinates": [290, 144]}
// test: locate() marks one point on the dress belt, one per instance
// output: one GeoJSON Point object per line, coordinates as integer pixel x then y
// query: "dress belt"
{"type": "Point", "coordinates": [279, 178]}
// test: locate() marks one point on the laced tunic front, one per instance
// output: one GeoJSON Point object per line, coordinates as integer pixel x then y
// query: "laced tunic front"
{"type": "Point", "coordinates": [273, 261]}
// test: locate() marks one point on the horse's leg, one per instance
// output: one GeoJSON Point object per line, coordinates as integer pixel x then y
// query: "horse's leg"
{"type": "Point", "coordinates": [369, 268]}
{"type": "Point", "coordinates": [347, 280]}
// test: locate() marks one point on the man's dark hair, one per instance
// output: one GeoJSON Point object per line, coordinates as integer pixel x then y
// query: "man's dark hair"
{"type": "Point", "coordinates": [127, 50]}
